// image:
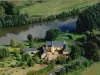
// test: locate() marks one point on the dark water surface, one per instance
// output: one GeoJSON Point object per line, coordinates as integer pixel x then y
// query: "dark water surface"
{"type": "Point", "coordinates": [20, 33]}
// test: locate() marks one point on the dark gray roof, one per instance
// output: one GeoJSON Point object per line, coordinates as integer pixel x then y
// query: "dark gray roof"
{"type": "Point", "coordinates": [31, 50]}
{"type": "Point", "coordinates": [55, 43]}
{"type": "Point", "coordinates": [66, 49]}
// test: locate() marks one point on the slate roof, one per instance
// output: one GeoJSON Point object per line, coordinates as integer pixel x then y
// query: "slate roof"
{"type": "Point", "coordinates": [34, 50]}
{"type": "Point", "coordinates": [55, 43]}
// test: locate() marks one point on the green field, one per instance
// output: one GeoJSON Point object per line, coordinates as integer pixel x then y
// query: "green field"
{"type": "Point", "coordinates": [49, 7]}
{"type": "Point", "coordinates": [93, 70]}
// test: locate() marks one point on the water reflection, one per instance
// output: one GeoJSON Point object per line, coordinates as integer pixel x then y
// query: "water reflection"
{"type": "Point", "coordinates": [37, 30]}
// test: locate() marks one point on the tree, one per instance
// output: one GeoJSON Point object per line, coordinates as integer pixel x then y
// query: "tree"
{"type": "Point", "coordinates": [57, 31]}
{"type": "Point", "coordinates": [61, 59]}
{"type": "Point", "coordinates": [89, 19]}
{"type": "Point", "coordinates": [18, 56]}
{"type": "Point", "coordinates": [26, 57]}
{"type": "Point", "coordinates": [92, 51]}
{"type": "Point", "coordinates": [9, 7]}
{"type": "Point", "coordinates": [12, 43]}
{"type": "Point", "coordinates": [76, 51]}
{"type": "Point", "coordinates": [31, 63]}
{"type": "Point", "coordinates": [31, 44]}
{"type": "Point", "coordinates": [52, 34]}
{"type": "Point", "coordinates": [36, 59]}
{"type": "Point", "coordinates": [21, 45]}
{"type": "Point", "coordinates": [2, 11]}
{"type": "Point", "coordinates": [29, 37]}
{"type": "Point", "coordinates": [3, 53]}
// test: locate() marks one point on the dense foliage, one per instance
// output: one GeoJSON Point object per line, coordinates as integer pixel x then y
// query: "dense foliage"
{"type": "Point", "coordinates": [76, 51]}
{"type": "Point", "coordinates": [3, 53]}
{"type": "Point", "coordinates": [91, 47]}
{"type": "Point", "coordinates": [92, 51]}
{"type": "Point", "coordinates": [10, 16]}
{"type": "Point", "coordinates": [52, 34]}
{"type": "Point", "coordinates": [10, 8]}
{"type": "Point", "coordinates": [14, 20]}
{"type": "Point", "coordinates": [42, 71]}
{"type": "Point", "coordinates": [77, 65]}
{"type": "Point", "coordinates": [65, 15]}
{"type": "Point", "coordinates": [89, 19]}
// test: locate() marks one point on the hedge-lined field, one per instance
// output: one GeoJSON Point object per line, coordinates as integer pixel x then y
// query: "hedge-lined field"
{"type": "Point", "coordinates": [49, 7]}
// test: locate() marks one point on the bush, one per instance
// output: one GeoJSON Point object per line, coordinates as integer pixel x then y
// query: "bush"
{"type": "Point", "coordinates": [23, 67]}
{"type": "Point", "coordinates": [70, 37]}
{"type": "Point", "coordinates": [13, 66]}
{"type": "Point", "coordinates": [61, 59]}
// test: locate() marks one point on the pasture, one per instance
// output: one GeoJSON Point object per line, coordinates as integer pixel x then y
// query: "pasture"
{"type": "Point", "coordinates": [53, 7]}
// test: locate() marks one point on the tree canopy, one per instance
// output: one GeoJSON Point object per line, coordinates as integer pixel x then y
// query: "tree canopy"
{"type": "Point", "coordinates": [89, 19]}
{"type": "Point", "coordinates": [52, 34]}
{"type": "Point", "coordinates": [10, 8]}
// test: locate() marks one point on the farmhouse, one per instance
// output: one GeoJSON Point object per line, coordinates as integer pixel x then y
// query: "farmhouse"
{"type": "Point", "coordinates": [60, 46]}
{"type": "Point", "coordinates": [53, 48]}
{"type": "Point", "coordinates": [50, 50]}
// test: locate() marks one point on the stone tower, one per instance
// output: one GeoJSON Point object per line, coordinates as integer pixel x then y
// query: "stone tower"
{"type": "Point", "coordinates": [52, 47]}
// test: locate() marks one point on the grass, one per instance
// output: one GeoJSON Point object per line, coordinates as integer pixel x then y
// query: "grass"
{"type": "Point", "coordinates": [36, 44]}
{"type": "Point", "coordinates": [56, 6]}
{"type": "Point", "coordinates": [93, 70]}
{"type": "Point", "coordinates": [11, 49]}
{"type": "Point", "coordinates": [19, 70]}
{"type": "Point", "coordinates": [63, 36]}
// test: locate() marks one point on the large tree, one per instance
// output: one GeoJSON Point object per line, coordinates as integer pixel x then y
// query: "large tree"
{"type": "Point", "coordinates": [29, 37]}
{"type": "Point", "coordinates": [10, 8]}
{"type": "Point", "coordinates": [76, 51]}
{"type": "Point", "coordinates": [89, 19]}
{"type": "Point", "coordinates": [92, 51]}
{"type": "Point", "coordinates": [52, 34]}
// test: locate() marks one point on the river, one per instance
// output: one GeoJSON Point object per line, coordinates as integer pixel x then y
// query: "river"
{"type": "Point", "coordinates": [20, 33]}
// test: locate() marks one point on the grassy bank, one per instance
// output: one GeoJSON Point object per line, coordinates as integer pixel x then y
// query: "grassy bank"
{"type": "Point", "coordinates": [56, 6]}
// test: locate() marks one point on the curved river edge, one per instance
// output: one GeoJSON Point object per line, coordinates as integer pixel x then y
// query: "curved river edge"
{"type": "Point", "coordinates": [38, 30]}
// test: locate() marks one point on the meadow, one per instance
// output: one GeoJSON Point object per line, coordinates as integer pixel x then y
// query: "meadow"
{"type": "Point", "coordinates": [53, 7]}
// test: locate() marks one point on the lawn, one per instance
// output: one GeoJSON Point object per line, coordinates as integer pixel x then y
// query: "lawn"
{"type": "Point", "coordinates": [93, 70]}
{"type": "Point", "coordinates": [56, 6]}
{"type": "Point", "coordinates": [64, 36]}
